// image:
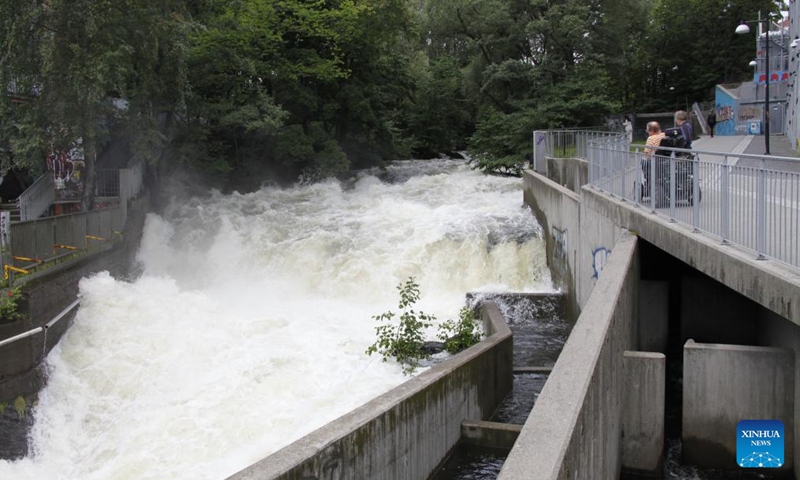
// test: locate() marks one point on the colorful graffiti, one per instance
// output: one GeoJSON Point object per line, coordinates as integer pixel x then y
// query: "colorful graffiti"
{"type": "Point", "coordinates": [67, 168]}
{"type": "Point", "coordinates": [725, 105]}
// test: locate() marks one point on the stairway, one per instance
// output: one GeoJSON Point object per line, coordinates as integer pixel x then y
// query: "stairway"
{"type": "Point", "coordinates": [12, 207]}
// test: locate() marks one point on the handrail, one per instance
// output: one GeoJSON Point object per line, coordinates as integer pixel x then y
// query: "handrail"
{"type": "Point", "coordinates": [744, 199]}
{"type": "Point", "coordinates": [37, 198]}
{"type": "Point", "coordinates": [44, 328]}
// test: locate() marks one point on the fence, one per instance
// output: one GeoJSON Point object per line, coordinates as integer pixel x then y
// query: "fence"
{"type": "Point", "coordinates": [748, 200]}
{"type": "Point", "coordinates": [31, 244]}
{"type": "Point", "coordinates": [571, 144]}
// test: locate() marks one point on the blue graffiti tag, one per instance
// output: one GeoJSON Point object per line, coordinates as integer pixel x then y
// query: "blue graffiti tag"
{"type": "Point", "coordinates": [599, 259]}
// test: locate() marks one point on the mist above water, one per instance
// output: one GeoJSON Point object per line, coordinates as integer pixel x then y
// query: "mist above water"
{"type": "Point", "coordinates": [248, 326]}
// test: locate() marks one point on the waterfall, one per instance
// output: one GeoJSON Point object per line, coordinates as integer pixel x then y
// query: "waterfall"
{"type": "Point", "coordinates": [248, 326]}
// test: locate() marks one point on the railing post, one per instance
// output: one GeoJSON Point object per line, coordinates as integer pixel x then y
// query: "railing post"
{"type": "Point", "coordinates": [695, 172]}
{"type": "Point", "coordinates": [725, 205]}
{"type": "Point", "coordinates": [5, 241]}
{"type": "Point", "coordinates": [623, 157]}
{"type": "Point", "coordinates": [672, 187]}
{"type": "Point", "coordinates": [761, 199]}
{"type": "Point", "coordinates": [651, 183]}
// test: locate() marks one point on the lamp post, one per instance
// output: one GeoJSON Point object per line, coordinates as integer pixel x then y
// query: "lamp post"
{"type": "Point", "coordinates": [743, 29]}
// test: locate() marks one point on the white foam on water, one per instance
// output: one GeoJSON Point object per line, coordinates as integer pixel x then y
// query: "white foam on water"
{"type": "Point", "coordinates": [249, 325]}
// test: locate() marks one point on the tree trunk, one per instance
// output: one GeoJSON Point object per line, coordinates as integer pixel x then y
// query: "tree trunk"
{"type": "Point", "coordinates": [89, 157]}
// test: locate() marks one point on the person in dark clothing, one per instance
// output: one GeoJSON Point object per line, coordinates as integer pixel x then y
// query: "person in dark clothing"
{"type": "Point", "coordinates": [712, 122]}
{"type": "Point", "coordinates": [681, 122]}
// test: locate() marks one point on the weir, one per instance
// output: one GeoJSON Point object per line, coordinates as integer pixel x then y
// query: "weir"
{"type": "Point", "coordinates": [251, 308]}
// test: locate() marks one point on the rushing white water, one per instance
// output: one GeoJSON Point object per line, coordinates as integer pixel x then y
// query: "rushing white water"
{"type": "Point", "coordinates": [249, 325]}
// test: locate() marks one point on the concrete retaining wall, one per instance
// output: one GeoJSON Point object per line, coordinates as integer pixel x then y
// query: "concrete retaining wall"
{"type": "Point", "coordinates": [405, 433]}
{"type": "Point", "coordinates": [557, 210]}
{"type": "Point", "coordinates": [45, 297]}
{"type": "Point", "coordinates": [746, 383]}
{"type": "Point", "coordinates": [574, 430]}
{"type": "Point", "coordinates": [579, 241]}
{"type": "Point", "coordinates": [572, 173]}
{"type": "Point", "coordinates": [643, 412]}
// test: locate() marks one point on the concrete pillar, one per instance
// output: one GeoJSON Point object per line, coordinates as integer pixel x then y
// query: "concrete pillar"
{"type": "Point", "coordinates": [653, 315]}
{"type": "Point", "coordinates": [643, 412]}
{"type": "Point", "coordinates": [724, 384]}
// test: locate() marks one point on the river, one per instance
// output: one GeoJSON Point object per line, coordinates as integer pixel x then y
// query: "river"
{"type": "Point", "coordinates": [248, 325]}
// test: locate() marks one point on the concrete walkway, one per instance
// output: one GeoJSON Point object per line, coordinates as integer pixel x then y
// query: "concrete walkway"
{"type": "Point", "coordinates": [779, 146]}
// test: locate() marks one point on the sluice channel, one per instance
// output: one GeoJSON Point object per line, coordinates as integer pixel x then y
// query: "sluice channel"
{"type": "Point", "coordinates": [540, 331]}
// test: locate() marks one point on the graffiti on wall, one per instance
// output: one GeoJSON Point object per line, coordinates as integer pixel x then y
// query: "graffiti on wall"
{"type": "Point", "coordinates": [67, 168]}
{"type": "Point", "coordinates": [749, 113]}
{"type": "Point", "coordinates": [599, 259]}
{"type": "Point", "coordinates": [559, 243]}
{"type": "Point", "coordinates": [725, 106]}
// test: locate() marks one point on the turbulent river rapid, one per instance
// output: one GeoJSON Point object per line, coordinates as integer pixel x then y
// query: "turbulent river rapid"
{"type": "Point", "coordinates": [248, 325]}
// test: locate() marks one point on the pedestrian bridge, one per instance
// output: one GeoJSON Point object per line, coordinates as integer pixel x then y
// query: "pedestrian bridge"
{"type": "Point", "coordinates": [696, 272]}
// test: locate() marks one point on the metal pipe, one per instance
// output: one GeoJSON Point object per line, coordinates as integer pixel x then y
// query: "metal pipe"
{"type": "Point", "coordinates": [49, 324]}
{"type": "Point", "coordinates": [20, 336]}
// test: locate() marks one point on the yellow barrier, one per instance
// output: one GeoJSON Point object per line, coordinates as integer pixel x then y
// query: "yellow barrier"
{"type": "Point", "coordinates": [6, 268]}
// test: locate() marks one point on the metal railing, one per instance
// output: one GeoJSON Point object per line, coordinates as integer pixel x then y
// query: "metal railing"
{"type": "Point", "coordinates": [575, 143]}
{"type": "Point", "coordinates": [34, 243]}
{"type": "Point", "coordinates": [37, 198]}
{"type": "Point", "coordinates": [749, 200]}
{"type": "Point", "coordinates": [44, 328]}
{"type": "Point", "coordinates": [31, 244]}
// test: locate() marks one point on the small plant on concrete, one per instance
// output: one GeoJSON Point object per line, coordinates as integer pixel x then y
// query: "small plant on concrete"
{"type": "Point", "coordinates": [461, 334]}
{"type": "Point", "coordinates": [403, 341]}
{"type": "Point", "coordinates": [9, 310]}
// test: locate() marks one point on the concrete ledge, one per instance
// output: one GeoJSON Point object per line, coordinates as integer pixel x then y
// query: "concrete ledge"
{"type": "Point", "coordinates": [489, 434]}
{"type": "Point", "coordinates": [574, 429]}
{"type": "Point", "coordinates": [769, 283]}
{"type": "Point", "coordinates": [405, 433]}
{"type": "Point", "coordinates": [723, 384]}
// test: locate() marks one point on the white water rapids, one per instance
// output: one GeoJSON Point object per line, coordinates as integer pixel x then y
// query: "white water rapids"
{"type": "Point", "coordinates": [248, 326]}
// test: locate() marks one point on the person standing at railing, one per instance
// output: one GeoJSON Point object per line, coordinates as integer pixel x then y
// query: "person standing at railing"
{"type": "Point", "coordinates": [685, 128]}
{"type": "Point", "coordinates": [654, 136]}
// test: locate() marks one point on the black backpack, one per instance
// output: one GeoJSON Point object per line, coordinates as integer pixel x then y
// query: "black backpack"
{"type": "Point", "coordinates": [673, 138]}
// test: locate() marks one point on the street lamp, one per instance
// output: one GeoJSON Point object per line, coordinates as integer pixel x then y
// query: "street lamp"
{"type": "Point", "coordinates": [743, 29]}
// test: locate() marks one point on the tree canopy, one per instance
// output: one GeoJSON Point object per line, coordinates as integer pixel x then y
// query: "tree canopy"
{"type": "Point", "coordinates": [246, 91]}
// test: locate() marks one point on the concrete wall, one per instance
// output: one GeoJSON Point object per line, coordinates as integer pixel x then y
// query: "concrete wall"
{"type": "Point", "coordinates": [405, 433]}
{"type": "Point", "coordinates": [768, 283]}
{"type": "Point", "coordinates": [572, 173]}
{"type": "Point", "coordinates": [574, 430]}
{"type": "Point", "coordinates": [557, 209]}
{"type": "Point", "coordinates": [579, 239]}
{"type": "Point", "coordinates": [748, 383]}
{"type": "Point", "coordinates": [45, 297]}
{"type": "Point", "coordinates": [643, 403]}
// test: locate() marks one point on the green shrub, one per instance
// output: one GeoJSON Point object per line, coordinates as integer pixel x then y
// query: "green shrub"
{"type": "Point", "coordinates": [9, 310]}
{"type": "Point", "coordinates": [462, 334]}
{"type": "Point", "coordinates": [403, 341]}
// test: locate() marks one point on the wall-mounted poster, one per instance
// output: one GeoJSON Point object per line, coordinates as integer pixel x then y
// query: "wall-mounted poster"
{"type": "Point", "coordinates": [67, 168]}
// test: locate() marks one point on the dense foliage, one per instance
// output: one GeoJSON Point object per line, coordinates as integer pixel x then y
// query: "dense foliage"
{"type": "Point", "coordinates": [250, 90]}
